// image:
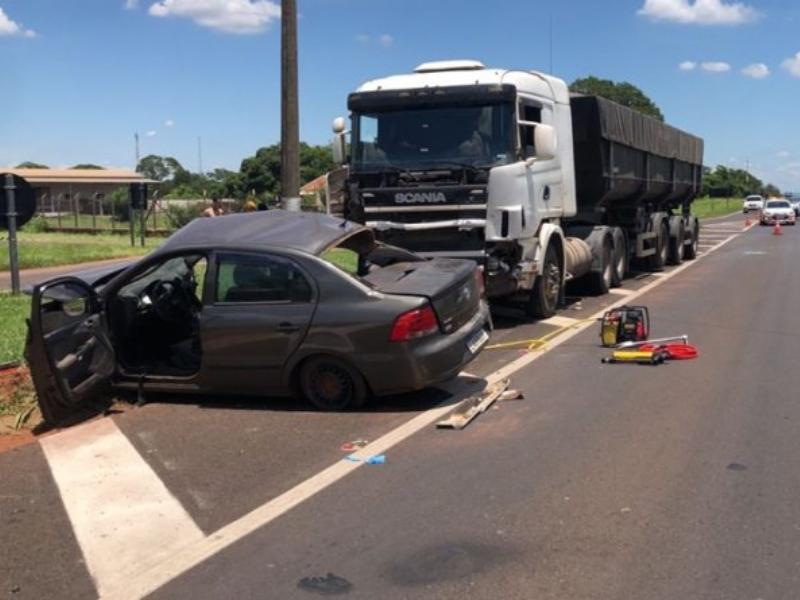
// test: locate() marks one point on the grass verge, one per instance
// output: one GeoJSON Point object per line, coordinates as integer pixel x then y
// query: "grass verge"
{"type": "Point", "coordinates": [52, 249]}
{"type": "Point", "coordinates": [706, 208]}
{"type": "Point", "coordinates": [13, 312]}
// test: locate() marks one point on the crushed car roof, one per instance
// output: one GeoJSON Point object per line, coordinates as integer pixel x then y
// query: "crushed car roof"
{"type": "Point", "coordinates": [307, 232]}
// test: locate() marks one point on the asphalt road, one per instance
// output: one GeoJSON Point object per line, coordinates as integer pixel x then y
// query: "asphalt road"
{"type": "Point", "coordinates": [607, 481]}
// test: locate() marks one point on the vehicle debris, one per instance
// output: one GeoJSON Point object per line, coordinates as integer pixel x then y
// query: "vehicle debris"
{"type": "Point", "coordinates": [377, 459]}
{"type": "Point", "coordinates": [474, 406]}
{"type": "Point", "coordinates": [511, 395]}
{"type": "Point", "coordinates": [330, 585]}
{"type": "Point", "coordinates": [353, 446]}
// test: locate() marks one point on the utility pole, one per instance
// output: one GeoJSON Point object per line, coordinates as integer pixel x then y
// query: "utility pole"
{"type": "Point", "coordinates": [136, 138]}
{"type": "Point", "coordinates": [290, 128]}
{"type": "Point", "coordinates": [11, 217]}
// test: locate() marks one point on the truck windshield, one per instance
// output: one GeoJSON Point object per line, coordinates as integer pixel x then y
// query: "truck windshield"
{"type": "Point", "coordinates": [477, 136]}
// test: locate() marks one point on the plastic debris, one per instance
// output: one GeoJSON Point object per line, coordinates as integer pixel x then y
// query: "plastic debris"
{"type": "Point", "coordinates": [353, 446]}
{"type": "Point", "coordinates": [378, 459]}
{"type": "Point", "coordinates": [352, 458]}
{"type": "Point", "coordinates": [511, 395]}
{"type": "Point", "coordinates": [330, 585]}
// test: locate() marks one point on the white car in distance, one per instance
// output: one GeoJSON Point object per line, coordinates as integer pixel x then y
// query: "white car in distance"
{"type": "Point", "coordinates": [778, 211]}
{"type": "Point", "coordinates": [753, 203]}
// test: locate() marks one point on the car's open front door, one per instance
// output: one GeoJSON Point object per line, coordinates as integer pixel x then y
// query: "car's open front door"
{"type": "Point", "coordinates": [68, 350]}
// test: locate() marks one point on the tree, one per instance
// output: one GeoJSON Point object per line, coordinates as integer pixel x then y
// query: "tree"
{"type": "Point", "coordinates": [88, 166]}
{"type": "Point", "coordinates": [770, 191]}
{"type": "Point", "coordinates": [622, 93]}
{"type": "Point", "coordinates": [261, 173]}
{"type": "Point", "coordinates": [30, 165]}
{"type": "Point", "coordinates": [724, 182]}
{"type": "Point", "coordinates": [160, 168]}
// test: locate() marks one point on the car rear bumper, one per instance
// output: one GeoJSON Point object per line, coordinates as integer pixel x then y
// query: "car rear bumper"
{"type": "Point", "coordinates": [423, 363]}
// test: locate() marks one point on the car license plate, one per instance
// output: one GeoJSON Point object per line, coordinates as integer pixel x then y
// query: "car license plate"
{"type": "Point", "coordinates": [477, 340]}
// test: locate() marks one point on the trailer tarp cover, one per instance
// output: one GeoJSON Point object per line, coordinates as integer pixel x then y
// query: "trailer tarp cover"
{"type": "Point", "coordinates": [631, 128]}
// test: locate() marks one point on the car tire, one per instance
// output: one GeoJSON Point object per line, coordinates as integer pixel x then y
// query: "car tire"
{"type": "Point", "coordinates": [546, 292]}
{"type": "Point", "coordinates": [690, 251]}
{"type": "Point", "coordinates": [677, 249]}
{"type": "Point", "coordinates": [331, 384]}
{"type": "Point", "coordinates": [601, 280]}
{"type": "Point", "coordinates": [658, 261]}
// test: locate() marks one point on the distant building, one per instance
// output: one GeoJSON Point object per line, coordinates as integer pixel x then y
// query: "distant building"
{"type": "Point", "coordinates": [61, 189]}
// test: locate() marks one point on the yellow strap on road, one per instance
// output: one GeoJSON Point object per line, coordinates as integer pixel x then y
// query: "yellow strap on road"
{"type": "Point", "coordinates": [538, 343]}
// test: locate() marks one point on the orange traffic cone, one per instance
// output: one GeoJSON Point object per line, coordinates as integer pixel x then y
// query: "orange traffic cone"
{"type": "Point", "coordinates": [777, 229]}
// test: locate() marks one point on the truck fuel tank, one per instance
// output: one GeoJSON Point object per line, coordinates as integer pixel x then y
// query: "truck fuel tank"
{"type": "Point", "coordinates": [577, 257]}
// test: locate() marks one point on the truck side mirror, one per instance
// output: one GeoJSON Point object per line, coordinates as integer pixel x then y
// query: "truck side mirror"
{"type": "Point", "coordinates": [545, 142]}
{"type": "Point", "coordinates": [339, 141]}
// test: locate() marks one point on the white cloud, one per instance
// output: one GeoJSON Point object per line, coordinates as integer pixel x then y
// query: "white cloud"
{"type": "Point", "coordinates": [783, 154]}
{"type": "Point", "coordinates": [151, 133]}
{"type": "Point", "coordinates": [698, 12]}
{"type": "Point", "coordinates": [386, 40]}
{"type": "Point", "coordinates": [9, 27]}
{"type": "Point", "coordinates": [687, 65]}
{"type": "Point", "coordinates": [792, 65]}
{"type": "Point", "coordinates": [131, 4]}
{"type": "Point", "coordinates": [240, 17]}
{"type": "Point", "coordinates": [169, 123]}
{"type": "Point", "coordinates": [756, 71]}
{"type": "Point", "coordinates": [715, 67]}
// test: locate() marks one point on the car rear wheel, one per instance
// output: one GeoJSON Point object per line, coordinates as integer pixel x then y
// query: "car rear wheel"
{"type": "Point", "coordinates": [331, 384]}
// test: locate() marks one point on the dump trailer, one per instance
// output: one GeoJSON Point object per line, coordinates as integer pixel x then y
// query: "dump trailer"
{"type": "Point", "coordinates": [506, 167]}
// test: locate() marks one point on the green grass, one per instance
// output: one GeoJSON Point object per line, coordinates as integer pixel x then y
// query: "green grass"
{"type": "Point", "coordinates": [346, 260]}
{"type": "Point", "coordinates": [13, 312]}
{"type": "Point", "coordinates": [52, 249]}
{"type": "Point", "coordinates": [706, 208]}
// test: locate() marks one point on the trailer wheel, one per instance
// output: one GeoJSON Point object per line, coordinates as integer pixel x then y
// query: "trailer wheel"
{"type": "Point", "coordinates": [601, 280]}
{"type": "Point", "coordinates": [691, 250]}
{"type": "Point", "coordinates": [546, 291]}
{"type": "Point", "coordinates": [676, 246]}
{"type": "Point", "coordinates": [658, 261]}
{"type": "Point", "coordinates": [620, 258]}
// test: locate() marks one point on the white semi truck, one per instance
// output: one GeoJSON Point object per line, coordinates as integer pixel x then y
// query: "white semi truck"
{"type": "Point", "coordinates": [507, 168]}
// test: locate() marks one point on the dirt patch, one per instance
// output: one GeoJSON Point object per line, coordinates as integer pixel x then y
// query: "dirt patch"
{"type": "Point", "coordinates": [19, 414]}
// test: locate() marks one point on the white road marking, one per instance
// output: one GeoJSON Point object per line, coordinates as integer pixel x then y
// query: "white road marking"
{"type": "Point", "coordinates": [121, 512]}
{"type": "Point", "coordinates": [621, 291]}
{"type": "Point", "coordinates": [136, 537]}
{"type": "Point", "coordinates": [560, 321]}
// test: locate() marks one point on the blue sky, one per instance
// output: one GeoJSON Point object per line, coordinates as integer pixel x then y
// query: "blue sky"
{"type": "Point", "coordinates": [81, 76]}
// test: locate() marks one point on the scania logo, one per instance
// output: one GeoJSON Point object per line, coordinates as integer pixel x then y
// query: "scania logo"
{"type": "Point", "coordinates": [420, 198]}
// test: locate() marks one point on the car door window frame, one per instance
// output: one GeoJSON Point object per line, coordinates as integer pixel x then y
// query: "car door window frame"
{"type": "Point", "coordinates": [214, 271]}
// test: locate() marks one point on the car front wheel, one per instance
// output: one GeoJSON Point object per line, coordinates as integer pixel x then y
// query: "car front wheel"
{"type": "Point", "coordinates": [331, 384]}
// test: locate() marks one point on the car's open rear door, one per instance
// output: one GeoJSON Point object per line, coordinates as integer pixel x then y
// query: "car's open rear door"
{"type": "Point", "coordinates": [68, 350]}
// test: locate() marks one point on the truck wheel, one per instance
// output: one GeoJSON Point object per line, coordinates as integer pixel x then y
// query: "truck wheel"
{"type": "Point", "coordinates": [601, 280]}
{"type": "Point", "coordinates": [658, 261]}
{"type": "Point", "coordinates": [677, 247]}
{"type": "Point", "coordinates": [331, 384]}
{"type": "Point", "coordinates": [546, 290]}
{"type": "Point", "coordinates": [690, 251]}
{"type": "Point", "coordinates": [620, 258]}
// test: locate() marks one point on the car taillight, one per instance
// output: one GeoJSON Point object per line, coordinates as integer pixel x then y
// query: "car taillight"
{"type": "Point", "coordinates": [479, 282]}
{"type": "Point", "coordinates": [414, 324]}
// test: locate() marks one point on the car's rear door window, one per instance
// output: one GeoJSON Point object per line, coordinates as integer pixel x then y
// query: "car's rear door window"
{"type": "Point", "coordinates": [259, 278]}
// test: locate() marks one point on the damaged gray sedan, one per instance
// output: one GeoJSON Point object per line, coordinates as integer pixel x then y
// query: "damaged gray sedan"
{"type": "Point", "coordinates": [266, 304]}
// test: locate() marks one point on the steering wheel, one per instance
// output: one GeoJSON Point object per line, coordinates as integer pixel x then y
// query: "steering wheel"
{"type": "Point", "coordinates": [166, 300]}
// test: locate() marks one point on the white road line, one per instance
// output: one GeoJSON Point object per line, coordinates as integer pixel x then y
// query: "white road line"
{"type": "Point", "coordinates": [157, 573]}
{"type": "Point", "coordinates": [621, 291]}
{"type": "Point", "coordinates": [121, 512]}
{"type": "Point", "coordinates": [560, 321]}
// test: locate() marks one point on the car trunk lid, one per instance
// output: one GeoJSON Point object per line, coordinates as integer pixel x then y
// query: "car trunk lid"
{"type": "Point", "coordinates": [449, 284]}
